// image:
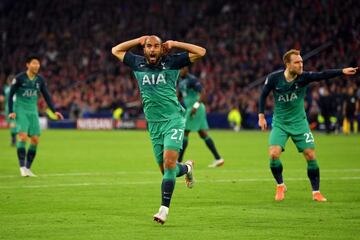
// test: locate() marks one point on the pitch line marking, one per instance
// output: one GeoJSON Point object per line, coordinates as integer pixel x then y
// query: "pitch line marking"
{"type": "Point", "coordinates": [86, 184]}
{"type": "Point", "coordinates": [156, 172]}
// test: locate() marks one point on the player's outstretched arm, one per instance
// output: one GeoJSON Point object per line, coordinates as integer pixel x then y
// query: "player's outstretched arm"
{"type": "Point", "coordinates": [195, 52]}
{"type": "Point", "coordinates": [120, 49]}
{"type": "Point", "coordinates": [327, 74]}
{"type": "Point", "coordinates": [350, 71]}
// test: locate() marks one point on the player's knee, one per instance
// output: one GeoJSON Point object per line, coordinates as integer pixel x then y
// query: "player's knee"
{"type": "Point", "coordinates": [170, 163]}
{"type": "Point", "coordinates": [274, 153]}
{"type": "Point", "coordinates": [34, 140]}
{"type": "Point", "coordinates": [170, 158]}
{"type": "Point", "coordinates": [309, 154]}
{"type": "Point", "coordinates": [22, 137]}
{"type": "Point", "coordinates": [203, 134]}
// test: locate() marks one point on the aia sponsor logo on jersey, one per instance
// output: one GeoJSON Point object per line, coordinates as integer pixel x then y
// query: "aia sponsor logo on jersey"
{"type": "Point", "coordinates": [29, 93]}
{"type": "Point", "coordinates": [153, 79]}
{"type": "Point", "coordinates": [287, 97]}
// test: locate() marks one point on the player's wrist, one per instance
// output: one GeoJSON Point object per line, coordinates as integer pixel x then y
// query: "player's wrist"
{"type": "Point", "coordinates": [174, 44]}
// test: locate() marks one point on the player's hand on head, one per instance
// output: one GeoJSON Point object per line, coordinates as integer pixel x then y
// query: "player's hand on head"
{"type": "Point", "coordinates": [168, 45]}
{"type": "Point", "coordinates": [142, 40]}
{"type": "Point", "coordinates": [59, 115]}
{"type": "Point", "coordinates": [350, 70]}
{"type": "Point", "coordinates": [12, 115]}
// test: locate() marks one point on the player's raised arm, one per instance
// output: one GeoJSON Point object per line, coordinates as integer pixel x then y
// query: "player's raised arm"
{"type": "Point", "coordinates": [195, 52]}
{"type": "Point", "coordinates": [327, 74]}
{"type": "Point", "coordinates": [120, 49]}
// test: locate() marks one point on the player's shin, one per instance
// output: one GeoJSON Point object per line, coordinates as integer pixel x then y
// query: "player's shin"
{"type": "Point", "coordinates": [13, 139]}
{"type": "Point", "coordinates": [21, 152]}
{"type": "Point", "coordinates": [13, 136]}
{"type": "Point", "coordinates": [313, 173]}
{"type": "Point", "coordinates": [276, 170]}
{"type": "Point", "coordinates": [168, 186]}
{"type": "Point", "coordinates": [30, 155]}
{"type": "Point", "coordinates": [210, 144]}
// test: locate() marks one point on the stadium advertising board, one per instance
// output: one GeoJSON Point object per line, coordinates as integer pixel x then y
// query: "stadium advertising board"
{"type": "Point", "coordinates": [94, 123]}
{"type": "Point", "coordinates": [3, 123]}
{"type": "Point", "coordinates": [130, 124]}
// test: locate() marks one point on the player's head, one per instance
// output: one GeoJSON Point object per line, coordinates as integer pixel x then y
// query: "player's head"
{"type": "Point", "coordinates": [33, 64]}
{"type": "Point", "coordinates": [184, 71]}
{"type": "Point", "coordinates": [293, 61]}
{"type": "Point", "coordinates": [153, 49]}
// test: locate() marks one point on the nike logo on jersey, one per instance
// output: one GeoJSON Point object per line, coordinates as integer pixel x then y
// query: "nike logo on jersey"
{"type": "Point", "coordinates": [153, 79]}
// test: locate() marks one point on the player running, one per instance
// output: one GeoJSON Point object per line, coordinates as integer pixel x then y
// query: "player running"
{"type": "Point", "coordinates": [289, 119]}
{"type": "Point", "coordinates": [157, 73]}
{"type": "Point", "coordinates": [27, 86]}
{"type": "Point", "coordinates": [190, 90]}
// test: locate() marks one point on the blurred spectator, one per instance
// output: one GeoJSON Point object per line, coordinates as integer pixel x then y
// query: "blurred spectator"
{"type": "Point", "coordinates": [327, 105]}
{"type": "Point", "coordinates": [351, 109]}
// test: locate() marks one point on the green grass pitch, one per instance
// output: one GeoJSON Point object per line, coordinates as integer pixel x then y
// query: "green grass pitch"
{"type": "Point", "coordinates": [106, 185]}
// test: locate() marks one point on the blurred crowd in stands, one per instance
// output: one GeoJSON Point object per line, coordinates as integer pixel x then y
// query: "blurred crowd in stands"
{"type": "Point", "coordinates": [245, 40]}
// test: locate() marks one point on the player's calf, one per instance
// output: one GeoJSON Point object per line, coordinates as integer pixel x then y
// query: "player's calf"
{"type": "Point", "coordinates": [167, 185]}
{"type": "Point", "coordinates": [31, 153]}
{"type": "Point", "coordinates": [21, 152]}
